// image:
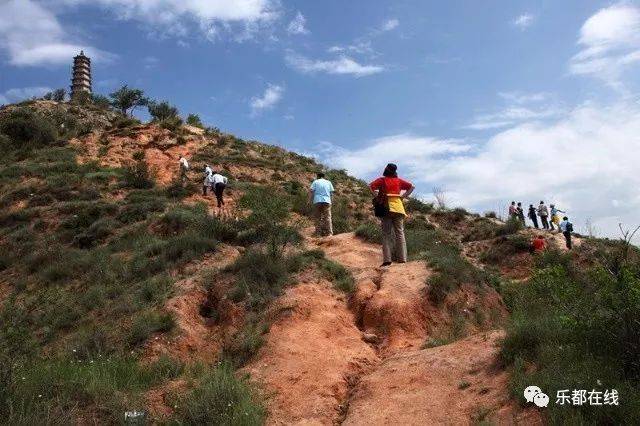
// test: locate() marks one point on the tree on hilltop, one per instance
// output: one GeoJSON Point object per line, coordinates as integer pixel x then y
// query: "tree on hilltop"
{"type": "Point", "coordinates": [57, 95]}
{"type": "Point", "coordinates": [161, 111]}
{"type": "Point", "coordinates": [194, 120]}
{"type": "Point", "coordinates": [126, 99]}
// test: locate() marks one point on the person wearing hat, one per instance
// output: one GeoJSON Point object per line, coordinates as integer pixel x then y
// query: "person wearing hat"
{"type": "Point", "coordinates": [391, 190]}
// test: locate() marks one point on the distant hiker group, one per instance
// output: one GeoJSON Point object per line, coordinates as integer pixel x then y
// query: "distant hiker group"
{"type": "Point", "coordinates": [214, 182]}
{"type": "Point", "coordinates": [563, 225]}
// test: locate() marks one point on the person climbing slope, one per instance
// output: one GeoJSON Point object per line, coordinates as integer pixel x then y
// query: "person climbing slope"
{"type": "Point", "coordinates": [218, 184]}
{"type": "Point", "coordinates": [543, 212]}
{"type": "Point", "coordinates": [555, 217]}
{"type": "Point", "coordinates": [208, 172]}
{"type": "Point", "coordinates": [513, 210]}
{"type": "Point", "coordinates": [320, 195]}
{"type": "Point", "coordinates": [567, 228]}
{"type": "Point", "coordinates": [532, 215]}
{"type": "Point", "coordinates": [389, 191]}
{"type": "Point", "coordinates": [184, 168]}
{"type": "Point", "coordinates": [520, 213]}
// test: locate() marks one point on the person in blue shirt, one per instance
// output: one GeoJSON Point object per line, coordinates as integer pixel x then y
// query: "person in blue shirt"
{"type": "Point", "coordinates": [567, 228]}
{"type": "Point", "coordinates": [320, 195]}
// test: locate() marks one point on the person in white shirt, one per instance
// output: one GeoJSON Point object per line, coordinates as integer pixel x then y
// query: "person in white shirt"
{"type": "Point", "coordinates": [184, 167]}
{"type": "Point", "coordinates": [218, 184]}
{"type": "Point", "coordinates": [207, 173]}
{"type": "Point", "coordinates": [567, 228]}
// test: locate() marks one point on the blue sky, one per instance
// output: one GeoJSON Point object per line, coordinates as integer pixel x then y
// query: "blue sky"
{"type": "Point", "coordinates": [492, 101]}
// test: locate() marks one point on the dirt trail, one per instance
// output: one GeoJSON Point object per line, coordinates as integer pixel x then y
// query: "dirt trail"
{"type": "Point", "coordinates": [316, 367]}
{"type": "Point", "coordinates": [312, 355]}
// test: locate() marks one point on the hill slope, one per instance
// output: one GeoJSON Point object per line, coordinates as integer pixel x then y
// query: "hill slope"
{"type": "Point", "coordinates": [124, 289]}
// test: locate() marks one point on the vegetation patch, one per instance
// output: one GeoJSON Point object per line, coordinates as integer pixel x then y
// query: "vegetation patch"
{"type": "Point", "coordinates": [580, 328]}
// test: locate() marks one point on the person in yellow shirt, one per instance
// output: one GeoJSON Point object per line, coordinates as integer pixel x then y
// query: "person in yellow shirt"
{"type": "Point", "coordinates": [392, 190]}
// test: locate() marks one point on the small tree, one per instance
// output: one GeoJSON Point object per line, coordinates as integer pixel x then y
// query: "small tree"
{"type": "Point", "coordinates": [161, 111]}
{"type": "Point", "coordinates": [194, 120]}
{"type": "Point", "coordinates": [100, 101]}
{"type": "Point", "coordinates": [126, 99]}
{"type": "Point", "coordinates": [59, 95]}
{"type": "Point", "coordinates": [440, 194]}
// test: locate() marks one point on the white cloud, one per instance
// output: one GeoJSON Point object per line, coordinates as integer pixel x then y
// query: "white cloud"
{"type": "Point", "coordinates": [510, 116]}
{"type": "Point", "coordinates": [177, 17]}
{"type": "Point", "coordinates": [582, 161]}
{"type": "Point", "coordinates": [610, 42]}
{"type": "Point", "coordinates": [296, 26]}
{"type": "Point", "coordinates": [523, 21]}
{"type": "Point", "coordinates": [341, 65]}
{"type": "Point", "coordinates": [271, 96]}
{"type": "Point", "coordinates": [32, 35]}
{"type": "Point", "coordinates": [20, 94]}
{"type": "Point", "coordinates": [389, 25]}
{"type": "Point", "coordinates": [524, 98]}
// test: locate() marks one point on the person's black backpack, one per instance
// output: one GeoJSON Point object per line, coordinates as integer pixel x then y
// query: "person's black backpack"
{"type": "Point", "coordinates": [569, 228]}
{"type": "Point", "coordinates": [380, 203]}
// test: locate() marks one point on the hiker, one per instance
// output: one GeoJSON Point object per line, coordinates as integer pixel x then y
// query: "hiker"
{"type": "Point", "coordinates": [555, 217]}
{"type": "Point", "coordinates": [532, 215]}
{"type": "Point", "coordinates": [543, 212]}
{"type": "Point", "coordinates": [566, 228]}
{"type": "Point", "coordinates": [513, 210]}
{"type": "Point", "coordinates": [538, 244]}
{"type": "Point", "coordinates": [218, 184]}
{"type": "Point", "coordinates": [520, 213]}
{"type": "Point", "coordinates": [389, 191]}
{"type": "Point", "coordinates": [184, 167]}
{"type": "Point", "coordinates": [208, 172]}
{"type": "Point", "coordinates": [320, 196]}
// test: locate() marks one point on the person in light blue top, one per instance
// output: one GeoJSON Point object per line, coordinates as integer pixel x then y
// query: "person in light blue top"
{"type": "Point", "coordinates": [320, 195]}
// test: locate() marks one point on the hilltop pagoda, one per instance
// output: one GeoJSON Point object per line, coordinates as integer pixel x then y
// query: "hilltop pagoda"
{"type": "Point", "coordinates": [81, 77]}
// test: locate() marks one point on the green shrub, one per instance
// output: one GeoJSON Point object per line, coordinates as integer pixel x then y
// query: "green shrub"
{"type": "Point", "coordinates": [369, 231]}
{"type": "Point", "coordinates": [244, 344]}
{"type": "Point", "coordinates": [491, 215]}
{"type": "Point", "coordinates": [414, 205]}
{"type": "Point", "coordinates": [137, 176]}
{"type": "Point", "coordinates": [194, 120]}
{"type": "Point", "coordinates": [581, 328]}
{"type": "Point", "coordinates": [481, 229]}
{"type": "Point", "coordinates": [160, 111]}
{"type": "Point", "coordinates": [220, 398]}
{"type": "Point", "coordinates": [339, 275]}
{"type": "Point", "coordinates": [260, 277]}
{"type": "Point", "coordinates": [505, 247]}
{"type": "Point", "coordinates": [146, 324]}
{"type": "Point", "coordinates": [61, 391]}
{"type": "Point", "coordinates": [26, 129]}
{"type": "Point", "coordinates": [172, 123]}
{"type": "Point", "coordinates": [511, 226]}
{"type": "Point", "coordinates": [267, 221]}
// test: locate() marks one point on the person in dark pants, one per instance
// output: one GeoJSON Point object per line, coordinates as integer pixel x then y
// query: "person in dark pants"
{"type": "Point", "coordinates": [219, 183]}
{"type": "Point", "coordinates": [533, 216]}
{"type": "Point", "coordinates": [543, 212]}
{"type": "Point", "coordinates": [567, 228]}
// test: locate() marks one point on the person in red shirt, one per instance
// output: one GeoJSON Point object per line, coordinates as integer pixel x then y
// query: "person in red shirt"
{"type": "Point", "coordinates": [393, 190]}
{"type": "Point", "coordinates": [538, 244]}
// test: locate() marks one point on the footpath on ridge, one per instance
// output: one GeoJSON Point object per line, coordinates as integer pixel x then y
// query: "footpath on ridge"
{"type": "Point", "coordinates": [337, 360]}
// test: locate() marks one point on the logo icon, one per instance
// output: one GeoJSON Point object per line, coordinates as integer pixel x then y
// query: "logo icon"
{"type": "Point", "coordinates": [534, 394]}
{"type": "Point", "coordinates": [541, 399]}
